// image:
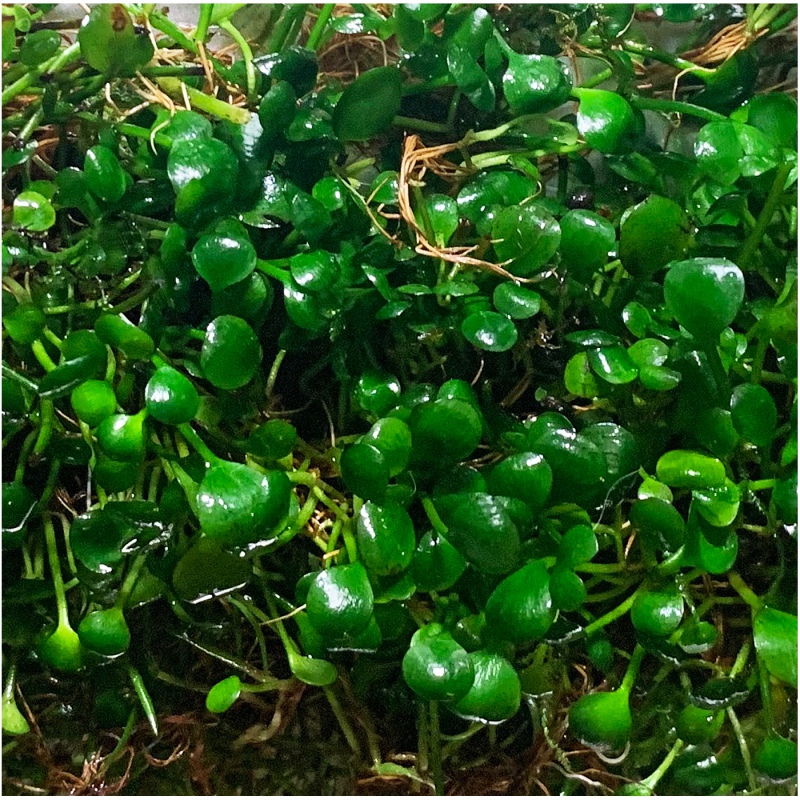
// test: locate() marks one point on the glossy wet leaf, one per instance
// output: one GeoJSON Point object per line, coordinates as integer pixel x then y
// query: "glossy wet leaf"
{"type": "Point", "coordinates": [313, 671]}
{"type": "Point", "coordinates": [526, 476]}
{"type": "Point", "coordinates": [38, 47]}
{"type": "Point", "coordinates": [697, 637]}
{"type": "Point", "coordinates": [714, 549]}
{"type": "Point", "coordinates": [436, 564]}
{"type": "Point", "coordinates": [613, 365]}
{"type": "Point", "coordinates": [118, 332]}
{"type": "Point", "coordinates": [340, 601]}
{"type": "Point", "coordinates": [231, 353]}
{"type": "Point", "coordinates": [470, 78]}
{"type": "Point", "coordinates": [567, 590]}
{"type": "Point", "coordinates": [170, 397]}
{"type": "Point", "coordinates": [775, 636]}
{"type": "Point", "coordinates": [699, 725]}
{"type": "Point", "coordinates": [602, 720]}
{"type": "Point", "coordinates": [18, 504]}
{"type": "Point", "coordinates": [62, 649]}
{"type": "Point", "coordinates": [376, 392]}
{"type": "Point", "coordinates": [535, 83]}
{"type": "Point", "coordinates": [481, 529]}
{"type": "Point", "coordinates": [486, 189]}
{"type": "Point", "coordinates": [689, 470]}
{"type": "Point", "coordinates": [223, 260]}
{"type": "Point", "coordinates": [468, 28]}
{"type": "Point", "coordinates": [657, 612]}
{"type": "Point", "coordinates": [606, 121]}
{"type": "Point", "coordinates": [517, 302]}
{"type": "Point", "coordinates": [237, 505]}
{"type": "Point", "coordinates": [586, 239]}
{"type": "Point", "coordinates": [385, 537]}
{"type": "Point", "coordinates": [754, 414]}
{"type": "Point", "coordinates": [718, 505]}
{"type": "Point", "coordinates": [720, 693]}
{"type": "Point", "coordinates": [488, 330]}
{"type": "Point", "coordinates": [111, 44]}
{"type": "Point", "coordinates": [205, 571]}
{"type": "Point", "coordinates": [369, 105]}
{"type": "Point", "coordinates": [223, 694]}
{"type": "Point", "coordinates": [33, 212]}
{"type": "Point", "coordinates": [495, 694]}
{"type": "Point", "coordinates": [122, 437]}
{"type": "Point", "coordinates": [579, 378]}
{"type": "Point", "coordinates": [716, 432]}
{"type": "Point", "coordinates": [105, 176]}
{"type": "Point", "coordinates": [392, 437]}
{"type": "Point", "coordinates": [314, 272]}
{"type": "Point", "coordinates": [525, 236]}
{"type": "Point", "coordinates": [520, 609]}
{"type": "Point", "coordinates": [704, 294]}
{"type": "Point", "coordinates": [436, 667]}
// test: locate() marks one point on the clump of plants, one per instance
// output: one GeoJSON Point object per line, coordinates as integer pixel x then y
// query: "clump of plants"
{"type": "Point", "coordinates": [455, 395]}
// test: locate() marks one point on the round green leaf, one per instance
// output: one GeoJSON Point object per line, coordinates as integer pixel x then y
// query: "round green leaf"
{"type": "Point", "coordinates": [525, 236]}
{"type": "Point", "coordinates": [488, 330]}
{"type": "Point", "coordinates": [718, 505]}
{"type": "Point", "coordinates": [222, 260]}
{"type": "Point", "coordinates": [602, 720]}
{"type": "Point", "coordinates": [340, 601]}
{"type": "Point", "coordinates": [436, 564]}
{"type": "Point", "coordinates": [369, 105]}
{"type": "Point", "coordinates": [586, 239]}
{"type": "Point", "coordinates": [657, 612]}
{"type": "Point", "coordinates": [231, 353]}
{"type": "Point", "coordinates": [93, 401]}
{"type": "Point", "coordinates": [365, 471]}
{"type": "Point", "coordinates": [613, 365]}
{"type": "Point", "coordinates": [314, 272]}
{"type": "Point", "coordinates": [436, 667]}
{"type": "Point", "coordinates": [33, 212]}
{"type": "Point", "coordinates": [104, 174]}
{"type": "Point", "coordinates": [392, 437]}
{"type": "Point", "coordinates": [606, 121]}
{"type": "Point", "coordinates": [535, 83]}
{"type": "Point", "coordinates": [516, 301]}
{"type": "Point", "coordinates": [690, 470]}
{"type": "Point", "coordinates": [579, 378]}
{"type": "Point", "coordinates": [526, 476]}
{"type": "Point", "coordinates": [170, 397]}
{"type": "Point", "coordinates": [654, 233]}
{"type": "Point", "coordinates": [754, 414]}
{"type": "Point", "coordinates": [222, 695]}
{"type": "Point", "coordinates": [495, 694]}
{"type": "Point", "coordinates": [775, 636]}
{"type": "Point", "coordinates": [704, 294]}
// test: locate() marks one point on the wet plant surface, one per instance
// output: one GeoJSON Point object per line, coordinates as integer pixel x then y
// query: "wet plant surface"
{"type": "Point", "coordinates": [400, 399]}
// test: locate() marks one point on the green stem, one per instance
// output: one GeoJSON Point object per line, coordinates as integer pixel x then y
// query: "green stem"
{"type": "Point", "coordinates": [744, 749]}
{"type": "Point", "coordinates": [745, 592]}
{"type": "Point", "coordinates": [596, 80]}
{"type": "Point", "coordinates": [320, 24]}
{"type": "Point", "coordinates": [676, 106]}
{"type": "Point", "coordinates": [25, 450]}
{"type": "Point", "coordinates": [435, 748]}
{"type": "Point", "coordinates": [273, 372]}
{"type": "Point", "coordinates": [421, 124]}
{"type": "Point", "coordinates": [282, 30]}
{"type": "Point", "coordinates": [26, 383]}
{"type": "Point", "coordinates": [47, 420]}
{"type": "Point", "coordinates": [433, 516]}
{"type": "Point", "coordinates": [55, 570]}
{"type": "Point", "coordinates": [144, 698]}
{"type": "Point", "coordinates": [119, 749]}
{"type": "Point", "coordinates": [275, 269]}
{"type": "Point", "coordinates": [50, 66]}
{"type": "Point", "coordinates": [211, 105]}
{"type": "Point", "coordinates": [759, 486]}
{"type": "Point", "coordinates": [162, 23]}
{"type": "Point", "coordinates": [247, 56]}
{"type": "Point", "coordinates": [191, 436]}
{"type": "Point", "coordinates": [741, 659]}
{"type": "Point", "coordinates": [341, 718]}
{"type": "Point", "coordinates": [201, 32]}
{"type": "Point", "coordinates": [129, 583]}
{"type": "Point", "coordinates": [615, 613]}
{"type": "Point", "coordinates": [42, 356]}
{"type": "Point", "coordinates": [651, 781]}
{"type": "Point", "coordinates": [633, 669]}
{"type": "Point", "coordinates": [666, 58]}
{"type": "Point", "coordinates": [718, 371]}
{"type": "Point", "coordinates": [771, 204]}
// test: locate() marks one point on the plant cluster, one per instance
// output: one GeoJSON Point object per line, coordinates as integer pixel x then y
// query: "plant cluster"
{"type": "Point", "coordinates": [463, 389]}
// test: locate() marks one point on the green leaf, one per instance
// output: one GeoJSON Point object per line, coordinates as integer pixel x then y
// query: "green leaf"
{"type": "Point", "coordinates": [658, 612]}
{"type": "Point", "coordinates": [775, 636]}
{"type": "Point", "coordinates": [488, 330]}
{"type": "Point", "coordinates": [577, 546]}
{"type": "Point", "coordinates": [516, 301]}
{"type": "Point", "coordinates": [495, 694]}
{"type": "Point", "coordinates": [470, 78]}
{"type": "Point", "coordinates": [38, 47]}
{"type": "Point", "coordinates": [223, 694]}
{"type": "Point", "coordinates": [704, 294]}
{"type": "Point", "coordinates": [613, 365]}
{"type": "Point", "coordinates": [231, 353]}
{"type": "Point", "coordinates": [606, 121]}
{"type": "Point", "coordinates": [534, 83]}
{"type": "Point", "coordinates": [33, 212]}
{"type": "Point", "coordinates": [436, 667]}
{"type": "Point", "coordinates": [340, 601]}
{"type": "Point", "coordinates": [754, 414]}
{"type": "Point", "coordinates": [222, 260]}
{"type": "Point", "coordinates": [369, 105]}
{"type": "Point", "coordinates": [654, 233]}
{"type": "Point", "coordinates": [205, 571]}
{"type": "Point", "coordinates": [115, 330]}
{"type": "Point", "coordinates": [579, 378]}
{"type": "Point", "coordinates": [718, 505]}
{"type": "Point", "coordinates": [527, 237]}
{"type": "Point", "coordinates": [690, 470]}
{"type": "Point", "coordinates": [110, 43]}
{"type": "Point", "coordinates": [104, 174]}
{"type": "Point", "coordinates": [238, 506]}
{"type": "Point", "coordinates": [586, 239]}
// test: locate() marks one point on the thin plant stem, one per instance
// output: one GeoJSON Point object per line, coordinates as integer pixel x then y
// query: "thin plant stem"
{"type": "Point", "coordinates": [764, 218]}
{"type": "Point", "coordinates": [320, 24]}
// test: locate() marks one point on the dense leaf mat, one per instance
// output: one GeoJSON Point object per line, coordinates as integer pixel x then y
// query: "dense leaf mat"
{"type": "Point", "coordinates": [400, 399]}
